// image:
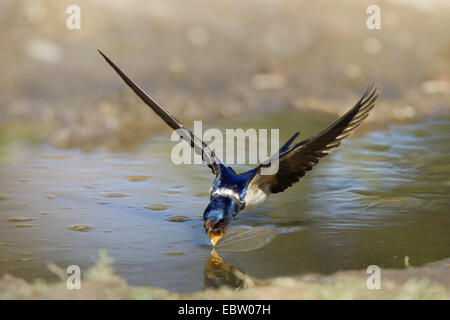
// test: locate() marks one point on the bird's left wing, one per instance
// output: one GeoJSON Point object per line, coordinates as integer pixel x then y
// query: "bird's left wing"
{"type": "Point", "coordinates": [303, 156]}
{"type": "Point", "coordinates": [199, 146]}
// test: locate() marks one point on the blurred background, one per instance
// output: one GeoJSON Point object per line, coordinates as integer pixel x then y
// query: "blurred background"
{"type": "Point", "coordinates": [217, 60]}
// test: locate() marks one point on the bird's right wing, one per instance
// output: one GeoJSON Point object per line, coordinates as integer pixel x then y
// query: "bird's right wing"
{"type": "Point", "coordinates": [296, 160]}
{"type": "Point", "coordinates": [199, 146]}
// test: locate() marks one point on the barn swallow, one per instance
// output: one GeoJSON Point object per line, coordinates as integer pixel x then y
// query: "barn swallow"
{"type": "Point", "coordinates": [232, 192]}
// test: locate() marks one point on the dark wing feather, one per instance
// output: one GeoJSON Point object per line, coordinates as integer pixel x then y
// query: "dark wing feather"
{"type": "Point", "coordinates": [199, 146]}
{"type": "Point", "coordinates": [287, 144]}
{"type": "Point", "coordinates": [303, 156]}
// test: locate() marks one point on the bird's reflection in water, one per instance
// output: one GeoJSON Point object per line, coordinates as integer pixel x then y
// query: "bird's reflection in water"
{"type": "Point", "coordinates": [218, 273]}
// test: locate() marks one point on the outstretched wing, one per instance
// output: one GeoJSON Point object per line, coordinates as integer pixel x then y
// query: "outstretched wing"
{"type": "Point", "coordinates": [199, 146]}
{"type": "Point", "coordinates": [303, 156]}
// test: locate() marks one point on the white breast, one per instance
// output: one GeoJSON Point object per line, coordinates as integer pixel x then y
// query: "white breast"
{"type": "Point", "coordinates": [226, 192]}
{"type": "Point", "coordinates": [254, 197]}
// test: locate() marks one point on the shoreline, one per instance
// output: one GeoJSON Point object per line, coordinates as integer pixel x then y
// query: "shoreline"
{"type": "Point", "coordinates": [431, 281]}
{"type": "Point", "coordinates": [129, 138]}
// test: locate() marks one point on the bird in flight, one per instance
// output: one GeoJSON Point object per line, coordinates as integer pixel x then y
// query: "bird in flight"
{"type": "Point", "coordinates": [232, 192]}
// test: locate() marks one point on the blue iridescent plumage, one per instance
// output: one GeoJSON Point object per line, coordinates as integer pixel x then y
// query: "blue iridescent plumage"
{"type": "Point", "coordinates": [233, 192]}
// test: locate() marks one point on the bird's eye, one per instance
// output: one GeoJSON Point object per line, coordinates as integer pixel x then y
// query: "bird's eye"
{"type": "Point", "coordinates": [221, 221]}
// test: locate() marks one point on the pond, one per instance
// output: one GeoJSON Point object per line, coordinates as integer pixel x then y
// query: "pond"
{"type": "Point", "coordinates": [379, 197]}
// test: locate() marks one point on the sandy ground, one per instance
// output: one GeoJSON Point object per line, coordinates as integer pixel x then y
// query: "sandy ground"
{"type": "Point", "coordinates": [213, 61]}
{"type": "Point", "coordinates": [431, 281]}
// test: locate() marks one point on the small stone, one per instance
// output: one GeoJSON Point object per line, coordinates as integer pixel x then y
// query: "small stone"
{"type": "Point", "coordinates": [137, 178]}
{"type": "Point", "coordinates": [114, 195]}
{"type": "Point", "coordinates": [173, 192]}
{"type": "Point", "coordinates": [268, 81]}
{"type": "Point", "coordinates": [156, 207]}
{"type": "Point", "coordinates": [20, 219]}
{"type": "Point", "coordinates": [24, 225]}
{"type": "Point", "coordinates": [178, 219]}
{"type": "Point", "coordinates": [56, 157]}
{"type": "Point", "coordinates": [175, 253]}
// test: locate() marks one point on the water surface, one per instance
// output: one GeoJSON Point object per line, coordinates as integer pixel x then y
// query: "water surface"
{"type": "Point", "coordinates": [378, 198]}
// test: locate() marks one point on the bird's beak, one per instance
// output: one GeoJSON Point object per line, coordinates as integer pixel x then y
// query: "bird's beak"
{"type": "Point", "coordinates": [216, 234]}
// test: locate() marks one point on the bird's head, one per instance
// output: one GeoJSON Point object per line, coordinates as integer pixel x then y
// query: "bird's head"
{"type": "Point", "coordinates": [217, 216]}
